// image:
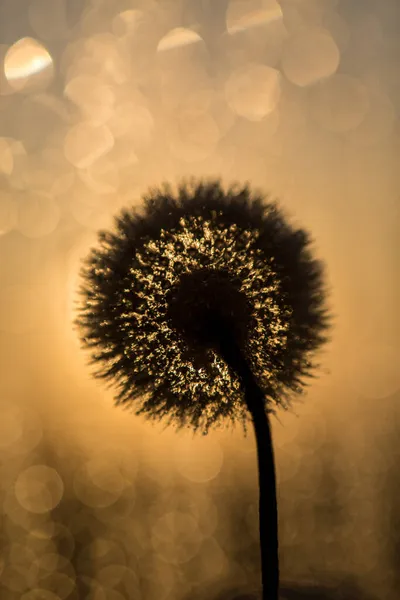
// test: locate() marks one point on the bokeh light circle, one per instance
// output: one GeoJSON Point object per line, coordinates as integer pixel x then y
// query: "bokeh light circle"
{"type": "Point", "coordinates": [98, 484]}
{"type": "Point", "coordinates": [39, 489]}
{"type": "Point", "coordinates": [253, 91]}
{"type": "Point", "coordinates": [340, 103]}
{"type": "Point", "coordinates": [85, 143]}
{"type": "Point", "coordinates": [113, 575]}
{"type": "Point", "coordinates": [378, 123]}
{"type": "Point", "coordinates": [310, 56]}
{"type": "Point", "coordinates": [95, 98]}
{"type": "Point", "coordinates": [28, 65]}
{"type": "Point", "coordinates": [176, 537]}
{"type": "Point", "coordinates": [177, 38]}
{"type": "Point", "coordinates": [127, 22]}
{"type": "Point", "coordinates": [197, 460]}
{"type": "Point", "coordinates": [249, 14]}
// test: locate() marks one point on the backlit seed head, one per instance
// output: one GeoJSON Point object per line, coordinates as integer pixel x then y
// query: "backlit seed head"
{"type": "Point", "coordinates": [163, 286]}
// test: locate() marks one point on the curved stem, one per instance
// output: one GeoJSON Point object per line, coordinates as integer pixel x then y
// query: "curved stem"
{"type": "Point", "coordinates": [268, 512]}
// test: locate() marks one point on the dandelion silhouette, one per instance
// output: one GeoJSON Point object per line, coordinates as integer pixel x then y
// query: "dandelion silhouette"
{"type": "Point", "coordinates": [205, 306]}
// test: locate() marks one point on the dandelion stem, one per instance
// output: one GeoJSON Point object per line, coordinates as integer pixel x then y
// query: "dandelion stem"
{"type": "Point", "coordinates": [268, 511]}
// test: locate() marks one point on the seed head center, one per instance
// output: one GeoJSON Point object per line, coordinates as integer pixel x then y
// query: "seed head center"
{"type": "Point", "coordinates": [207, 306]}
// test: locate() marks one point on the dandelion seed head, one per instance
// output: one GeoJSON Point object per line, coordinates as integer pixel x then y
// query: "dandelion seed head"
{"type": "Point", "coordinates": [159, 287]}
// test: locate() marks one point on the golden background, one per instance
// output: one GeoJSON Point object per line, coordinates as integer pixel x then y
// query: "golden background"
{"type": "Point", "coordinates": [101, 99]}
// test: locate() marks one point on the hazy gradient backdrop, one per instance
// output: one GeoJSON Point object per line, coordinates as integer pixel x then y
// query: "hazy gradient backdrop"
{"type": "Point", "coordinates": [99, 99]}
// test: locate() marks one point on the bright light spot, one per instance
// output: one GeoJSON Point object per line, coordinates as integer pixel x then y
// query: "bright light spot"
{"type": "Point", "coordinates": [27, 60]}
{"type": "Point", "coordinates": [177, 38]}
{"type": "Point", "coordinates": [39, 489]}
{"type": "Point", "coordinates": [253, 91]}
{"type": "Point", "coordinates": [242, 15]}
{"type": "Point", "coordinates": [310, 56]}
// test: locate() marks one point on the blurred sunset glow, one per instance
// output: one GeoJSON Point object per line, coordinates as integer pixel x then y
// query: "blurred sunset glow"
{"type": "Point", "coordinates": [241, 18]}
{"type": "Point", "coordinates": [178, 37]}
{"type": "Point", "coordinates": [24, 59]}
{"type": "Point", "coordinates": [99, 102]}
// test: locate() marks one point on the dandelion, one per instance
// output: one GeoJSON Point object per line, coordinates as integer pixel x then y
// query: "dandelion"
{"type": "Point", "coordinates": [206, 306]}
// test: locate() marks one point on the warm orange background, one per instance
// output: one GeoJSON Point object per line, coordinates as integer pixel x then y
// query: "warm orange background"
{"type": "Point", "coordinates": [98, 101]}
